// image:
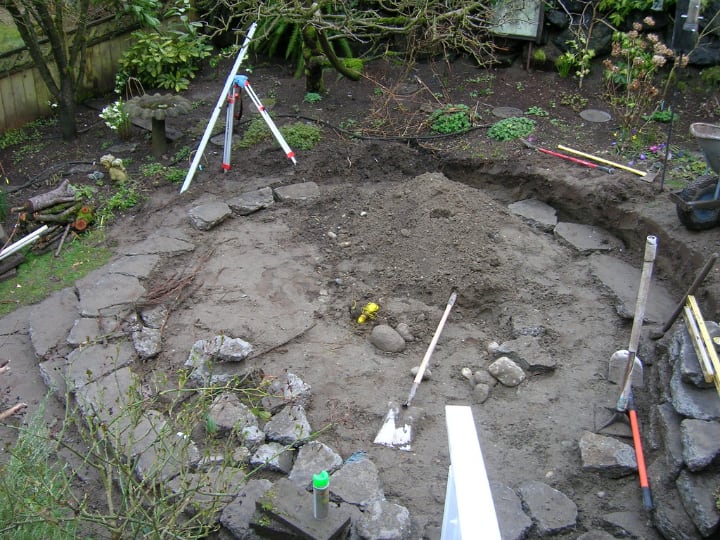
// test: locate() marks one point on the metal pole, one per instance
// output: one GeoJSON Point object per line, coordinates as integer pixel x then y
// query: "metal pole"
{"type": "Point", "coordinates": [218, 108]}
{"type": "Point", "coordinates": [242, 80]}
{"type": "Point", "coordinates": [25, 241]}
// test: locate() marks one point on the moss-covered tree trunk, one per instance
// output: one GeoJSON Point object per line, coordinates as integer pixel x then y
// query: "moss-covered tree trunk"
{"type": "Point", "coordinates": [314, 60]}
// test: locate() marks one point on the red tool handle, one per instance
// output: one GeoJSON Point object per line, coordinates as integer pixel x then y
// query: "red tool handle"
{"type": "Point", "coordinates": [577, 160]}
{"type": "Point", "coordinates": [640, 456]}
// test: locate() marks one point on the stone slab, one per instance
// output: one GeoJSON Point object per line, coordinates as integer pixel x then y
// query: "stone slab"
{"type": "Point", "coordinates": [87, 364]}
{"type": "Point", "coordinates": [587, 238]}
{"type": "Point", "coordinates": [537, 213]}
{"type": "Point", "coordinates": [293, 507]}
{"type": "Point", "coordinates": [109, 295]}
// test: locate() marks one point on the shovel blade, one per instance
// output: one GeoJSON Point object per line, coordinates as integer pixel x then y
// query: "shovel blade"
{"type": "Point", "coordinates": [396, 430]}
{"type": "Point", "coordinates": [618, 365]}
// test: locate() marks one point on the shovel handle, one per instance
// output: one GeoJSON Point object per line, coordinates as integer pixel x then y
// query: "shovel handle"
{"type": "Point", "coordinates": [431, 348]}
{"type": "Point", "coordinates": [640, 456]}
{"type": "Point", "coordinates": [608, 170]}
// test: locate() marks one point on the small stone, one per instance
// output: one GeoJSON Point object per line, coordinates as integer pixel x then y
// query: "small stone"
{"type": "Point", "coordinates": [467, 373]}
{"type": "Point", "coordinates": [426, 375]}
{"type": "Point", "coordinates": [481, 392]}
{"type": "Point", "coordinates": [493, 347]}
{"type": "Point", "coordinates": [331, 235]}
{"type": "Point", "coordinates": [482, 376]}
{"type": "Point", "coordinates": [405, 233]}
{"type": "Point", "coordinates": [404, 330]}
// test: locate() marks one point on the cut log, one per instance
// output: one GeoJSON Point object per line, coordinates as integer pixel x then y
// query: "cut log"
{"type": "Point", "coordinates": [62, 193]}
{"type": "Point", "coordinates": [11, 262]}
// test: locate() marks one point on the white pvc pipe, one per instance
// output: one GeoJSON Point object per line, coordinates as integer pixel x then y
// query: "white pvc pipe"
{"type": "Point", "coordinates": [26, 241]}
{"type": "Point", "coordinates": [218, 108]}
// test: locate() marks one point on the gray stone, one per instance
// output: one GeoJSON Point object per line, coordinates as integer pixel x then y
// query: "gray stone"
{"type": "Point", "coordinates": [237, 514]}
{"type": "Point", "coordinates": [484, 377]}
{"type": "Point", "coordinates": [233, 350]}
{"type": "Point", "coordinates": [289, 426]}
{"type": "Point", "coordinates": [208, 490]}
{"type": "Point", "coordinates": [169, 241]}
{"type": "Point", "coordinates": [252, 201]}
{"type": "Point", "coordinates": [292, 506]}
{"type": "Point", "coordinates": [229, 414]}
{"type": "Point", "coordinates": [111, 294]}
{"type": "Point", "coordinates": [587, 238]}
{"type": "Point", "coordinates": [527, 352]}
{"type": "Point", "coordinates": [628, 524]}
{"type": "Point", "coordinates": [147, 342]}
{"type": "Point", "coordinates": [51, 320]}
{"type": "Point", "coordinates": [387, 339]}
{"type": "Point", "coordinates": [284, 390]}
{"type": "Point", "coordinates": [693, 402]}
{"type": "Point", "coordinates": [537, 213]}
{"type": "Point", "coordinates": [87, 364]}
{"type": "Point", "coordinates": [88, 330]}
{"type": "Point", "coordinates": [297, 192]}
{"type": "Point", "coordinates": [312, 458]}
{"type": "Point", "coordinates": [108, 401]}
{"type": "Point", "coordinates": [481, 392]}
{"type": "Point", "coordinates": [140, 436]}
{"type": "Point", "coordinates": [404, 330]}
{"type": "Point", "coordinates": [506, 371]}
{"type": "Point", "coordinates": [596, 535]}
{"type": "Point", "coordinates": [623, 280]}
{"type": "Point", "coordinates": [666, 428]}
{"type": "Point", "coordinates": [169, 455]}
{"type": "Point", "coordinates": [154, 317]}
{"type": "Point", "coordinates": [252, 437]}
{"type": "Point", "coordinates": [551, 510]}
{"type": "Point", "coordinates": [209, 215]}
{"type": "Point", "coordinates": [701, 443]}
{"type": "Point", "coordinates": [139, 266]}
{"type": "Point", "coordinates": [688, 362]}
{"type": "Point", "coordinates": [514, 523]}
{"type": "Point", "coordinates": [698, 493]}
{"type": "Point", "coordinates": [357, 482]}
{"type": "Point", "coordinates": [384, 520]}
{"type": "Point", "coordinates": [273, 457]}
{"type": "Point", "coordinates": [607, 455]}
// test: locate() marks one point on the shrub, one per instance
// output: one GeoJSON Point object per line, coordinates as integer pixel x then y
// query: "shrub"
{"type": "Point", "coordinates": [301, 135]}
{"type": "Point", "coordinates": [451, 119]}
{"type": "Point", "coordinates": [511, 128]}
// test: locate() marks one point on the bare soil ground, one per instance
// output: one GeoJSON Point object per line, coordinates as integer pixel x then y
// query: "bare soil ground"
{"type": "Point", "coordinates": [411, 238]}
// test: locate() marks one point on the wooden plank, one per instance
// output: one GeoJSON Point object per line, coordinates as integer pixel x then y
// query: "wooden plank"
{"type": "Point", "coordinates": [470, 510]}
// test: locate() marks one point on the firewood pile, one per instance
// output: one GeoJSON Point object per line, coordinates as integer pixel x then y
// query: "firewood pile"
{"type": "Point", "coordinates": [44, 223]}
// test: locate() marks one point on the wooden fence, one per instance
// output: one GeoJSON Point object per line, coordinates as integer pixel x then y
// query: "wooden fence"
{"type": "Point", "coordinates": [23, 94]}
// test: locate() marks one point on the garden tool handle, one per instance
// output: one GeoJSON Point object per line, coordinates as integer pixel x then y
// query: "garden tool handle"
{"type": "Point", "coordinates": [431, 348]}
{"type": "Point", "coordinates": [639, 455]}
{"type": "Point", "coordinates": [649, 260]}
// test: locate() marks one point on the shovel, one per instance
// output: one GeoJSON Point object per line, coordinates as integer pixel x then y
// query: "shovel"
{"type": "Point", "coordinates": [397, 432]}
{"type": "Point", "coordinates": [625, 407]}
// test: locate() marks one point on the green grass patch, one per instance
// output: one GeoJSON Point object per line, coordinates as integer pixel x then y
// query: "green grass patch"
{"type": "Point", "coordinates": [40, 275]}
{"type": "Point", "coordinates": [301, 135]}
{"type": "Point", "coordinates": [34, 488]}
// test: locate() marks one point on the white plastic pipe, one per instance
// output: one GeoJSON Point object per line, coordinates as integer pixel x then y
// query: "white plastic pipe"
{"type": "Point", "coordinates": [218, 108]}
{"type": "Point", "coordinates": [25, 241]}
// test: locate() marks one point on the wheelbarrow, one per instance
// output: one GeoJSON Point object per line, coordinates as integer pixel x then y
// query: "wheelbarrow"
{"type": "Point", "coordinates": [698, 204]}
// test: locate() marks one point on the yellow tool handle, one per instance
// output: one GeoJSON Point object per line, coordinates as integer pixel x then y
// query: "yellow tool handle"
{"type": "Point", "coordinates": [699, 345]}
{"type": "Point", "coordinates": [709, 346]}
{"type": "Point", "coordinates": [601, 160]}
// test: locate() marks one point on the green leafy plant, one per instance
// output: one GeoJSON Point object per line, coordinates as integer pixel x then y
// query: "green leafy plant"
{"type": "Point", "coordinates": [511, 128]}
{"type": "Point", "coordinates": [664, 117]}
{"type": "Point", "coordinates": [165, 58]}
{"type": "Point", "coordinates": [618, 10]}
{"type": "Point", "coordinates": [451, 119]}
{"type": "Point", "coordinates": [575, 101]}
{"type": "Point", "coordinates": [537, 111]}
{"type": "Point", "coordinates": [256, 132]}
{"type": "Point", "coordinates": [578, 57]}
{"type": "Point", "coordinates": [300, 135]}
{"type": "Point", "coordinates": [116, 118]}
{"type": "Point", "coordinates": [312, 97]}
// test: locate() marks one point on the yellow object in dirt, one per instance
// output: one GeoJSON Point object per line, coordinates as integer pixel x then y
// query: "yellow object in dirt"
{"type": "Point", "coordinates": [369, 312]}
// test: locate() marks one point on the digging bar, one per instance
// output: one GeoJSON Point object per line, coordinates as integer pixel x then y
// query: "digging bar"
{"type": "Point", "coordinates": [657, 334]}
{"type": "Point", "coordinates": [589, 164]}
{"type": "Point", "coordinates": [396, 431]}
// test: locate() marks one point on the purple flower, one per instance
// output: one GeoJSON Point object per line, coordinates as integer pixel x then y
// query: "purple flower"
{"type": "Point", "coordinates": [643, 157]}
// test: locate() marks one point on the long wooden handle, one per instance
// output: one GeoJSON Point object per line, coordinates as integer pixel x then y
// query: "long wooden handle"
{"type": "Point", "coordinates": [431, 348]}
{"type": "Point", "coordinates": [601, 160]}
